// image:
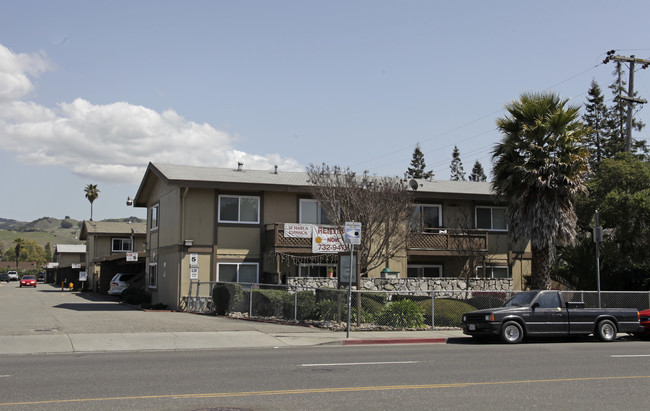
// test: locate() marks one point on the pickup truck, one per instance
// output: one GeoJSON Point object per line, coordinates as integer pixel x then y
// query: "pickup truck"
{"type": "Point", "coordinates": [545, 313]}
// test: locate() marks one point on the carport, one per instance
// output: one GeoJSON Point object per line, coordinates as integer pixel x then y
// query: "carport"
{"type": "Point", "coordinates": [111, 265]}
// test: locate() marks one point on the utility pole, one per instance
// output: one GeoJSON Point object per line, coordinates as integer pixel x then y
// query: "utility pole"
{"type": "Point", "coordinates": [630, 90]}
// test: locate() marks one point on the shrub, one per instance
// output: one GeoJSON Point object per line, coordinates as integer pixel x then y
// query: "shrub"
{"type": "Point", "coordinates": [403, 313]}
{"type": "Point", "coordinates": [328, 310]}
{"type": "Point", "coordinates": [226, 297]}
{"type": "Point", "coordinates": [136, 296]}
{"type": "Point", "coordinates": [481, 302]}
{"type": "Point", "coordinates": [307, 306]}
{"type": "Point", "coordinates": [448, 312]}
{"type": "Point", "coordinates": [272, 303]}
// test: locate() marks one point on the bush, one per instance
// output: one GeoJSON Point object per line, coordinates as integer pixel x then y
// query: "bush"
{"type": "Point", "coordinates": [136, 296]}
{"type": "Point", "coordinates": [481, 302]}
{"type": "Point", "coordinates": [307, 306]}
{"type": "Point", "coordinates": [328, 310]}
{"type": "Point", "coordinates": [272, 303]}
{"type": "Point", "coordinates": [403, 313]}
{"type": "Point", "coordinates": [448, 312]}
{"type": "Point", "coordinates": [226, 297]}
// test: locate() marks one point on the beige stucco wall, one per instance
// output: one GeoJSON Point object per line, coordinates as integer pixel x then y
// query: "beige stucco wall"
{"type": "Point", "coordinates": [238, 242]}
{"type": "Point", "coordinates": [280, 208]}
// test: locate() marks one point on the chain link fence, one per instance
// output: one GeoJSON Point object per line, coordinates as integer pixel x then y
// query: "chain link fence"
{"type": "Point", "coordinates": [373, 310]}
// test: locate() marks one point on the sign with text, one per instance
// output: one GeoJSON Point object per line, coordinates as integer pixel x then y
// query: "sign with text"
{"type": "Point", "coordinates": [194, 273]}
{"type": "Point", "coordinates": [297, 230]}
{"type": "Point", "coordinates": [344, 267]}
{"type": "Point", "coordinates": [131, 256]}
{"type": "Point", "coordinates": [327, 239]}
{"type": "Point", "coordinates": [83, 275]}
{"type": "Point", "coordinates": [353, 233]}
{"type": "Point", "coordinates": [194, 259]}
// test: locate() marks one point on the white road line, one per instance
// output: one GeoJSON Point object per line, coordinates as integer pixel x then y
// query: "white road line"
{"type": "Point", "coordinates": [630, 355]}
{"type": "Point", "coordinates": [358, 363]}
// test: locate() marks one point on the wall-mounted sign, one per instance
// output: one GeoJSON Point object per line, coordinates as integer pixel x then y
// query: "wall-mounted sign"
{"type": "Point", "coordinates": [194, 259]}
{"type": "Point", "coordinates": [194, 273]}
{"type": "Point", "coordinates": [297, 230]}
{"type": "Point", "coordinates": [131, 256]}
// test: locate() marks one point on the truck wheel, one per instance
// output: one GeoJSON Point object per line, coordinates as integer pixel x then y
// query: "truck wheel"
{"type": "Point", "coordinates": [511, 332]}
{"type": "Point", "coordinates": [606, 331]}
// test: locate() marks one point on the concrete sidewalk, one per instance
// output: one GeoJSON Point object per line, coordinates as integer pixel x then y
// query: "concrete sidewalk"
{"type": "Point", "coordinates": [179, 341]}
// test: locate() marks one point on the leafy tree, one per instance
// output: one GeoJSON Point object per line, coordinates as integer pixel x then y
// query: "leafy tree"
{"type": "Point", "coordinates": [381, 205]}
{"type": "Point", "coordinates": [539, 169]}
{"type": "Point", "coordinates": [48, 251]}
{"type": "Point", "coordinates": [25, 250]}
{"type": "Point", "coordinates": [477, 172]}
{"type": "Point", "coordinates": [92, 192]}
{"type": "Point", "coordinates": [456, 166]}
{"type": "Point", "coordinates": [418, 166]}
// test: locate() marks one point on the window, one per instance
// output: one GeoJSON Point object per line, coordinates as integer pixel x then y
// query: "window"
{"type": "Point", "coordinates": [153, 275]}
{"type": "Point", "coordinates": [317, 270]}
{"type": "Point", "coordinates": [121, 244]}
{"type": "Point", "coordinates": [311, 212]}
{"type": "Point", "coordinates": [237, 272]}
{"type": "Point", "coordinates": [491, 218]}
{"type": "Point", "coordinates": [492, 271]}
{"type": "Point", "coordinates": [153, 217]}
{"type": "Point", "coordinates": [549, 300]}
{"type": "Point", "coordinates": [239, 209]}
{"type": "Point", "coordinates": [426, 216]}
{"type": "Point", "coordinates": [420, 271]}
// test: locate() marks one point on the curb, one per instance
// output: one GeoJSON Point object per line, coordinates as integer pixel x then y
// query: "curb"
{"type": "Point", "coordinates": [394, 341]}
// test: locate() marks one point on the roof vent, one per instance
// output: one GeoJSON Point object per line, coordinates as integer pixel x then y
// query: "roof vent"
{"type": "Point", "coordinates": [275, 169]}
{"type": "Point", "coordinates": [239, 165]}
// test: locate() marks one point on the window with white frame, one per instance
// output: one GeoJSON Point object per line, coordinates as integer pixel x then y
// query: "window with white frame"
{"type": "Point", "coordinates": [239, 209]}
{"type": "Point", "coordinates": [492, 271]}
{"type": "Point", "coordinates": [491, 218]}
{"type": "Point", "coordinates": [317, 270]}
{"type": "Point", "coordinates": [153, 217]}
{"type": "Point", "coordinates": [426, 216]}
{"type": "Point", "coordinates": [238, 272]}
{"type": "Point", "coordinates": [311, 212]}
{"type": "Point", "coordinates": [121, 244]}
{"type": "Point", "coordinates": [420, 271]}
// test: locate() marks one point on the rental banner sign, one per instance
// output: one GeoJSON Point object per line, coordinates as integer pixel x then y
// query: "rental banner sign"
{"type": "Point", "coordinates": [328, 239]}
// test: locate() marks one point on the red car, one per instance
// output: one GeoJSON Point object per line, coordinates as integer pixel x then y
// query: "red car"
{"type": "Point", "coordinates": [644, 319]}
{"type": "Point", "coordinates": [28, 280]}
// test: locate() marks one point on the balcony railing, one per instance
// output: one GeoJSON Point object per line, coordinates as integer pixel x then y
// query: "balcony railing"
{"type": "Point", "coordinates": [439, 240]}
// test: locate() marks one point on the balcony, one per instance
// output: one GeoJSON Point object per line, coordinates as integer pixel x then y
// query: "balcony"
{"type": "Point", "coordinates": [448, 242]}
{"type": "Point", "coordinates": [431, 242]}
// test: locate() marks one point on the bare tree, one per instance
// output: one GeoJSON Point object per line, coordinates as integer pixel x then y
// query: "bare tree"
{"type": "Point", "coordinates": [382, 205]}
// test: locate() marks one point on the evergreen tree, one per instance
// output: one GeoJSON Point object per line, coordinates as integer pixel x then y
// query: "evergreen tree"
{"type": "Point", "coordinates": [617, 119]}
{"type": "Point", "coordinates": [477, 172]}
{"type": "Point", "coordinates": [595, 118]}
{"type": "Point", "coordinates": [457, 171]}
{"type": "Point", "coordinates": [417, 169]}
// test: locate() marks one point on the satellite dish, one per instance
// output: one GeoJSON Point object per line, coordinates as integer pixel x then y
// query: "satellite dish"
{"type": "Point", "coordinates": [414, 184]}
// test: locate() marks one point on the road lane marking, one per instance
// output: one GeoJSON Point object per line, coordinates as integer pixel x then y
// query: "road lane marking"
{"type": "Point", "coordinates": [325, 390]}
{"type": "Point", "coordinates": [335, 364]}
{"type": "Point", "coordinates": [630, 355]}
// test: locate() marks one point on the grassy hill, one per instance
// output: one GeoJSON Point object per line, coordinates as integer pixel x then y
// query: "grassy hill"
{"type": "Point", "coordinates": [45, 230]}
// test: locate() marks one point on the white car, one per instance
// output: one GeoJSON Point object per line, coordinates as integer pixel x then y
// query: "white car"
{"type": "Point", "coordinates": [120, 282]}
{"type": "Point", "coordinates": [13, 275]}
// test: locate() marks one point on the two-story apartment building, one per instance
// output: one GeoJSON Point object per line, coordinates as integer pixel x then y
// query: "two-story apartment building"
{"type": "Point", "coordinates": [220, 224]}
{"type": "Point", "coordinates": [108, 245]}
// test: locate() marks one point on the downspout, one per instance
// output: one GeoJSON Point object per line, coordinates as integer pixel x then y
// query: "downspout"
{"type": "Point", "coordinates": [182, 237]}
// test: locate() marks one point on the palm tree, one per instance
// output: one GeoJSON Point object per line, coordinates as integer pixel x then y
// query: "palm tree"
{"type": "Point", "coordinates": [539, 168]}
{"type": "Point", "coordinates": [92, 192]}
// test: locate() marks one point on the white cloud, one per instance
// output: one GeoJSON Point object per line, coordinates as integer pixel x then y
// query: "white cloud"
{"type": "Point", "coordinates": [111, 142]}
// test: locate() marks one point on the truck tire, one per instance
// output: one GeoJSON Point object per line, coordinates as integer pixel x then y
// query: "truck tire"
{"type": "Point", "coordinates": [606, 331]}
{"type": "Point", "coordinates": [511, 332]}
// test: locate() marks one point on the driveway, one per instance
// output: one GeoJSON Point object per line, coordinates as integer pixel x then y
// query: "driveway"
{"type": "Point", "coordinates": [47, 310]}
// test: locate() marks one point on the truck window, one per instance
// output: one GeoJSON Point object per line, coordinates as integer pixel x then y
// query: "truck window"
{"type": "Point", "coordinates": [549, 300]}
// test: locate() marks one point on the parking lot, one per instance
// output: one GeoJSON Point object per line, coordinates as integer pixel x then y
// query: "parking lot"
{"type": "Point", "coordinates": [49, 310]}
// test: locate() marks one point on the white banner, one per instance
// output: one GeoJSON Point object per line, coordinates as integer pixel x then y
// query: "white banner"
{"type": "Point", "coordinates": [297, 230]}
{"type": "Point", "coordinates": [328, 239]}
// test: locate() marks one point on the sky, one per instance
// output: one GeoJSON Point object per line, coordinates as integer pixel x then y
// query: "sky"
{"type": "Point", "coordinates": [91, 92]}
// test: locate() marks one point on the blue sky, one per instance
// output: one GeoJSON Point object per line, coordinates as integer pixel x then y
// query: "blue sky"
{"type": "Point", "coordinates": [91, 92]}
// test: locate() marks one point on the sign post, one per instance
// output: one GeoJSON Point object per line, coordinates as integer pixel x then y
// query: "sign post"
{"type": "Point", "coordinates": [352, 237]}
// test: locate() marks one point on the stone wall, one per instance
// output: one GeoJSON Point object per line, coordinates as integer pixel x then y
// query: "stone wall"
{"type": "Point", "coordinates": [407, 285]}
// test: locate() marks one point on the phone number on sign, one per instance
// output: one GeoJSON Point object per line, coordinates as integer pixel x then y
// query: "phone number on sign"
{"type": "Point", "coordinates": [331, 247]}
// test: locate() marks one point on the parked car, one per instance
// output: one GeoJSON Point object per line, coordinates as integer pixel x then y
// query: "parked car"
{"type": "Point", "coordinates": [28, 281]}
{"type": "Point", "coordinates": [644, 319]}
{"type": "Point", "coordinates": [40, 277]}
{"type": "Point", "coordinates": [13, 275]}
{"type": "Point", "coordinates": [4, 277]}
{"type": "Point", "coordinates": [545, 313]}
{"type": "Point", "coordinates": [121, 282]}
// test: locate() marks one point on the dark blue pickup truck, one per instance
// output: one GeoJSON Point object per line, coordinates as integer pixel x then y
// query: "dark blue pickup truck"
{"type": "Point", "coordinates": [545, 313]}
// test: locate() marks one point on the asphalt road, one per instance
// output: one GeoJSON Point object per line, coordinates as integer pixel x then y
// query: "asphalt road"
{"type": "Point", "coordinates": [459, 375]}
